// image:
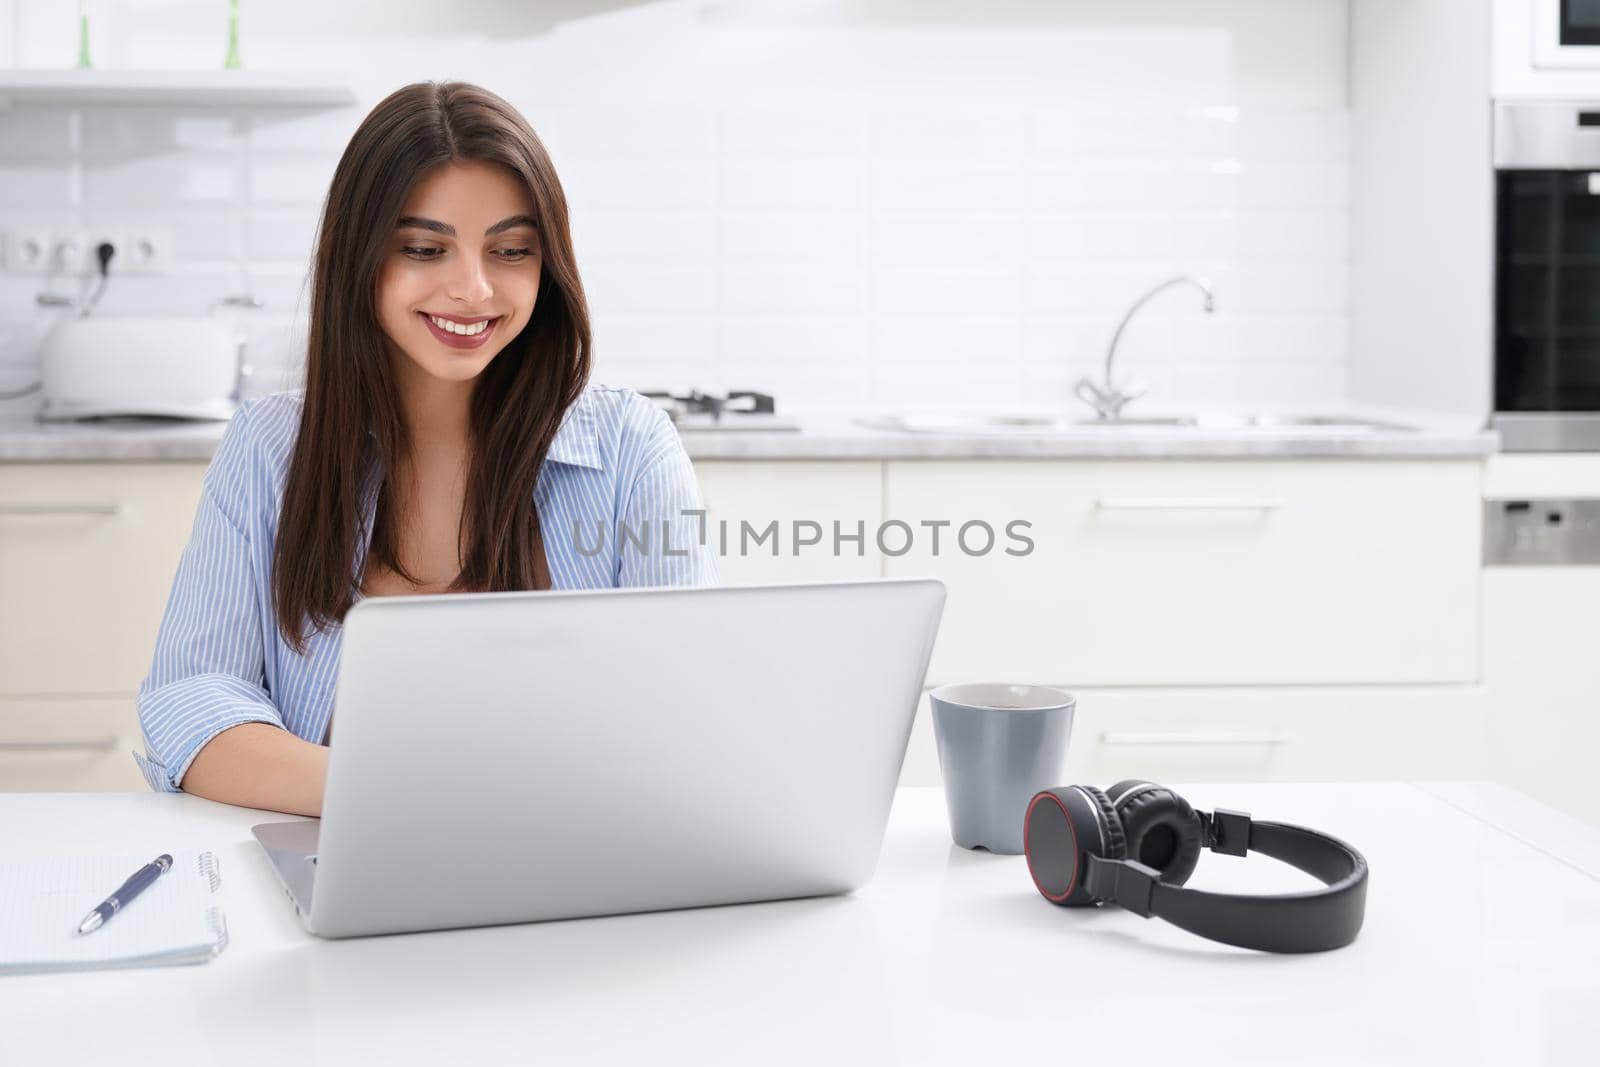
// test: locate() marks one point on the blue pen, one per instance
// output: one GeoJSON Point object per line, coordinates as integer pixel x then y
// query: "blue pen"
{"type": "Point", "coordinates": [125, 892]}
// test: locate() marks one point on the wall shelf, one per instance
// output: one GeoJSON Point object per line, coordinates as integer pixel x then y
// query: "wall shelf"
{"type": "Point", "coordinates": [174, 88]}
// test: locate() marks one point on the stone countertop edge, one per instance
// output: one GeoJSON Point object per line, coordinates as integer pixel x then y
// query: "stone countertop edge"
{"type": "Point", "coordinates": [835, 437]}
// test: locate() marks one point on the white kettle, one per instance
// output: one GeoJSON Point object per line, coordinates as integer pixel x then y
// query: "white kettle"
{"type": "Point", "coordinates": [169, 366]}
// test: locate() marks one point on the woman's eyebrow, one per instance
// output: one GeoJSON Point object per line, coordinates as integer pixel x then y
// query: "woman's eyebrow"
{"type": "Point", "coordinates": [450, 231]}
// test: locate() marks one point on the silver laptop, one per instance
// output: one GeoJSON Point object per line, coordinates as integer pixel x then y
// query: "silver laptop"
{"type": "Point", "coordinates": [511, 757]}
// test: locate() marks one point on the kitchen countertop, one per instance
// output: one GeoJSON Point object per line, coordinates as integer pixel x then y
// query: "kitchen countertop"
{"type": "Point", "coordinates": [24, 439]}
{"type": "Point", "coordinates": [1481, 945]}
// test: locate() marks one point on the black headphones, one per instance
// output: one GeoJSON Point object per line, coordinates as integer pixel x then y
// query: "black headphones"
{"type": "Point", "coordinates": [1137, 843]}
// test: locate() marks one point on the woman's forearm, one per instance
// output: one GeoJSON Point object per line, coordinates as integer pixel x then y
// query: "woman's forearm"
{"type": "Point", "coordinates": [259, 765]}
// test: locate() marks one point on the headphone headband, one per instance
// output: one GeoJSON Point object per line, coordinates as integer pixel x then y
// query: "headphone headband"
{"type": "Point", "coordinates": [1313, 921]}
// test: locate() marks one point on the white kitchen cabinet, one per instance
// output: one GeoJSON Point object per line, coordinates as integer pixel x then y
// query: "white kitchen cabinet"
{"type": "Point", "coordinates": [52, 744]}
{"type": "Point", "coordinates": [1277, 632]}
{"type": "Point", "coordinates": [1543, 675]}
{"type": "Point", "coordinates": [87, 556]}
{"type": "Point", "coordinates": [1258, 734]}
{"type": "Point", "coordinates": [789, 492]}
{"type": "Point", "coordinates": [1201, 573]}
{"type": "Point", "coordinates": [1540, 627]}
{"type": "Point", "coordinates": [1326, 733]}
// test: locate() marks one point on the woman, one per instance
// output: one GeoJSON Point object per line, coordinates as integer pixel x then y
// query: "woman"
{"type": "Point", "coordinates": [447, 440]}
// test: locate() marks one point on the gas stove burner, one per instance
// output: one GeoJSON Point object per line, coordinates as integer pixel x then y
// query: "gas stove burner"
{"type": "Point", "coordinates": [697, 402]}
{"type": "Point", "coordinates": [739, 410]}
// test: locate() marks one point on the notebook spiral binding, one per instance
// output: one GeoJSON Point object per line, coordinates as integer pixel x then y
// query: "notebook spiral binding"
{"type": "Point", "coordinates": [208, 870]}
{"type": "Point", "coordinates": [219, 930]}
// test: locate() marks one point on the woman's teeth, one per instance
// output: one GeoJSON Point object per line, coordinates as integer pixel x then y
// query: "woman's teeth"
{"type": "Point", "coordinates": [456, 327]}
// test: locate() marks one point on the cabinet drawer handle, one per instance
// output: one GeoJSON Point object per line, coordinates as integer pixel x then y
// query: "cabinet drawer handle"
{"type": "Point", "coordinates": [92, 744]}
{"type": "Point", "coordinates": [60, 509]}
{"type": "Point", "coordinates": [1236, 737]}
{"type": "Point", "coordinates": [1174, 503]}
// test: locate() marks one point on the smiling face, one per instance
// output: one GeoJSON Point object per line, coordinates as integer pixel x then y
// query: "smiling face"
{"type": "Point", "coordinates": [466, 252]}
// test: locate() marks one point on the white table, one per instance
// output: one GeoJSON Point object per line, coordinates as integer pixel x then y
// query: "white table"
{"type": "Point", "coordinates": [1481, 945]}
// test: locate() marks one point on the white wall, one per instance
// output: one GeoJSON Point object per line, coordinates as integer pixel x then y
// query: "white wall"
{"type": "Point", "coordinates": [850, 204]}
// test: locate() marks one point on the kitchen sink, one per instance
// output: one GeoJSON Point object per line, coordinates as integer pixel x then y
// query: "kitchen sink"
{"type": "Point", "coordinates": [1339, 422]}
{"type": "Point", "coordinates": [1037, 424]}
{"type": "Point", "coordinates": [1336, 423]}
{"type": "Point", "coordinates": [1138, 420]}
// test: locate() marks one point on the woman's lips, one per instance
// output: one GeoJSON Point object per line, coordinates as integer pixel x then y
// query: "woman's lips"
{"type": "Point", "coordinates": [455, 340]}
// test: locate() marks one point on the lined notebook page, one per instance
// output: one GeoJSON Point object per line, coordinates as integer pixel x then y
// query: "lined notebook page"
{"type": "Point", "coordinates": [175, 920]}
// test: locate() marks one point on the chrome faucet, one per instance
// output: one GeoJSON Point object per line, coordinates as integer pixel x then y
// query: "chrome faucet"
{"type": "Point", "coordinates": [1106, 399]}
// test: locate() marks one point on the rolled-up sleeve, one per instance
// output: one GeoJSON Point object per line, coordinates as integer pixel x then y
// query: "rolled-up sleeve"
{"type": "Point", "coordinates": [662, 536]}
{"type": "Point", "coordinates": [208, 672]}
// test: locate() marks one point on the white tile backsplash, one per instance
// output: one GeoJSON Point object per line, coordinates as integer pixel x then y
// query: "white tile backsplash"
{"type": "Point", "coordinates": [777, 288]}
{"type": "Point", "coordinates": [111, 133]}
{"type": "Point", "coordinates": [981, 381]}
{"type": "Point", "coordinates": [36, 133]}
{"type": "Point", "coordinates": [279, 235]}
{"type": "Point", "coordinates": [645, 236]}
{"type": "Point", "coordinates": [26, 183]}
{"type": "Point", "coordinates": [791, 237]}
{"type": "Point", "coordinates": [289, 132]}
{"type": "Point", "coordinates": [1052, 340]}
{"type": "Point", "coordinates": [626, 133]}
{"type": "Point", "coordinates": [954, 290]}
{"type": "Point", "coordinates": [822, 343]}
{"type": "Point", "coordinates": [663, 184]}
{"type": "Point", "coordinates": [961, 134]}
{"type": "Point", "coordinates": [917, 339]}
{"type": "Point", "coordinates": [850, 206]}
{"type": "Point", "coordinates": [899, 186]}
{"type": "Point", "coordinates": [639, 288]}
{"type": "Point", "coordinates": [666, 340]}
{"type": "Point", "coordinates": [817, 184]}
{"type": "Point", "coordinates": [1102, 185]}
{"type": "Point", "coordinates": [796, 133]}
{"type": "Point", "coordinates": [974, 241]}
{"type": "Point", "coordinates": [1059, 133]}
{"type": "Point", "coordinates": [290, 181]}
{"type": "Point", "coordinates": [133, 183]}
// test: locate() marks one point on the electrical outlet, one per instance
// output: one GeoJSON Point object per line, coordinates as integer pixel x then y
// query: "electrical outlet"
{"type": "Point", "coordinates": [71, 250]}
{"type": "Point", "coordinates": [68, 254]}
{"type": "Point", "coordinates": [28, 250]}
{"type": "Point", "coordinates": [145, 250]}
{"type": "Point", "coordinates": [91, 240]}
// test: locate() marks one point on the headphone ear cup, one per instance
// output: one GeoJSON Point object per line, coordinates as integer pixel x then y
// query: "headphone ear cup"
{"type": "Point", "coordinates": [1116, 839]}
{"type": "Point", "coordinates": [1062, 828]}
{"type": "Point", "coordinates": [1160, 828]}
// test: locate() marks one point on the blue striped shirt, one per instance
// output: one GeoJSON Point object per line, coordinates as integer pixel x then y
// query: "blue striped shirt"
{"type": "Point", "coordinates": [616, 498]}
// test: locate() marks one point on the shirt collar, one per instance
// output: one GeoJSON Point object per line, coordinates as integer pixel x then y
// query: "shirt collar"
{"type": "Point", "coordinates": [577, 441]}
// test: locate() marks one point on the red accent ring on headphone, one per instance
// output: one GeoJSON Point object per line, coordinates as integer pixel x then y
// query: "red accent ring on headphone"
{"type": "Point", "coordinates": [1027, 825]}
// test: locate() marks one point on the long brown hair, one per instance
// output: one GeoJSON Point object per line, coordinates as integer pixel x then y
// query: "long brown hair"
{"type": "Point", "coordinates": [351, 426]}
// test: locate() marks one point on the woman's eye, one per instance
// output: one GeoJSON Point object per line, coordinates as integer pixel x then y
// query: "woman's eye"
{"type": "Point", "coordinates": [508, 254]}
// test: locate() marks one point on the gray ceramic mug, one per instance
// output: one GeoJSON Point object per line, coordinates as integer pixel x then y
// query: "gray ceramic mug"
{"type": "Point", "coordinates": [999, 744]}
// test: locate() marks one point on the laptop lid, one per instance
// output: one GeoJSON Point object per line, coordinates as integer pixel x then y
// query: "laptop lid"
{"type": "Point", "coordinates": [507, 757]}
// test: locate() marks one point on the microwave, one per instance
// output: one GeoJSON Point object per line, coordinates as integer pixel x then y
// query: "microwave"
{"type": "Point", "coordinates": [1566, 34]}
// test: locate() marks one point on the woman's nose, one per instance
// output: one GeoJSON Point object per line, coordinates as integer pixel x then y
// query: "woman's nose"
{"type": "Point", "coordinates": [468, 281]}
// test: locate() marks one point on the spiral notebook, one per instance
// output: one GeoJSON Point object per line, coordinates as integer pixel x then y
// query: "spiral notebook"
{"type": "Point", "coordinates": [175, 920]}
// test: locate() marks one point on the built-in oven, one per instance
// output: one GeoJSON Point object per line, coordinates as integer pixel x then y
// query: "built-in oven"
{"type": "Point", "coordinates": [1547, 275]}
